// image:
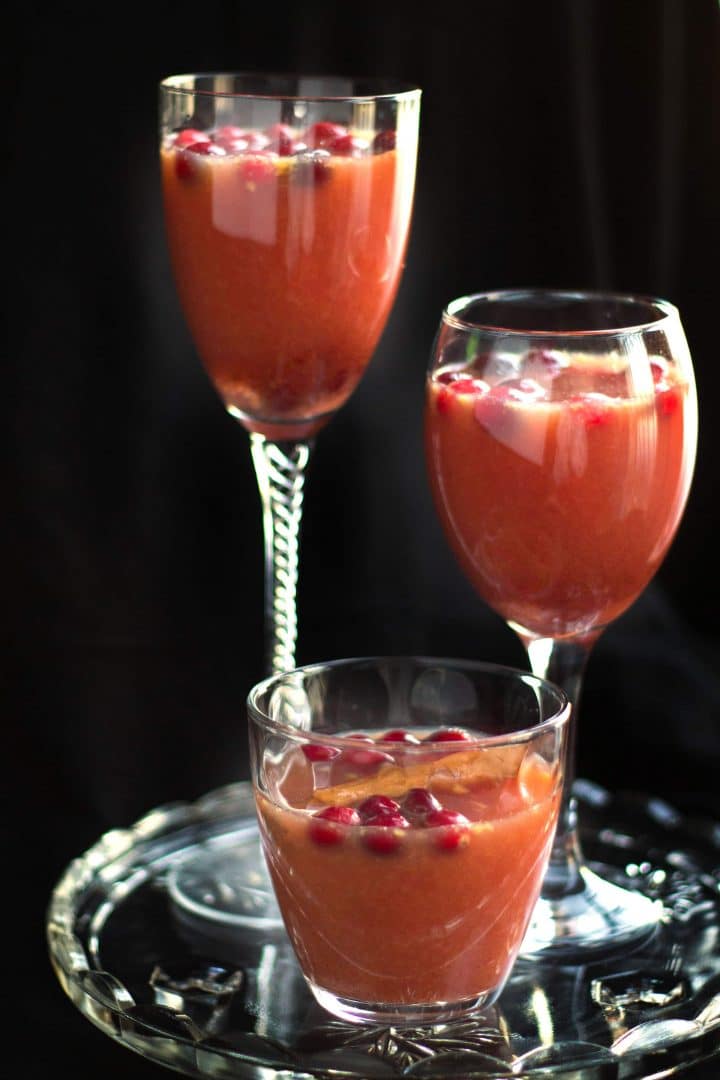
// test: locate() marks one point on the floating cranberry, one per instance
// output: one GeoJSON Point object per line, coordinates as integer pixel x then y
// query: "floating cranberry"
{"type": "Point", "coordinates": [188, 136]}
{"type": "Point", "coordinates": [257, 170]}
{"type": "Point", "coordinates": [231, 131]}
{"type": "Point", "coordinates": [453, 828]}
{"type": "Point", "coordinates": [280, 139]}
{"type": "Point", "coordinates": [185, 168]}
{"type": "Point", "coordinates": [545, 360]}
{"type": "Point", "coordinates": [668, 400]}
{"type": "Point", "coordinates": [384, 140]}
{"type": "Point", "coordinates": [361, 758]}
{"type": "Point", "coordinates": [318, 135]}
{"type": "Point", "coordinates": [383, 833]}
{"type": "Point", "coordinates": [401, 736]}
{"type": "Point", "coordinates": [346, 145]}
{"type": "Point", "coordinates": [419, 802]}
{"type": "Point", "coordinates": [449, 734]}
{"type": "Point", "coordinates": [327, 826]}
{"type": "Point", "coordinates": [377, 805]}
{"type": "Point", "coordinates": [594, 408]}
{"type": "Point", "coordinates": [319, 752]}
{"type": "Point", "coordinates": [238, 145]}
{"type": "Point", "coordinates": [312, 167]}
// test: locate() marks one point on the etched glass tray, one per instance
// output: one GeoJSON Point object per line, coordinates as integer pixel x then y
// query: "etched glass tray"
{"type": "Point", "coordinates": [211, 1003]}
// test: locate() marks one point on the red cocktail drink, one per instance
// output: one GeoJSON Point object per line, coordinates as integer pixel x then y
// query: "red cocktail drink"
{"type": "Point", "coordinates": [287, 247]}
{"type": "Point", "coordinates": [561, 490]}
{"type": "Point", "coordinates": [386, 903]}
{"type": "Point", "coordinates": [407, 808]}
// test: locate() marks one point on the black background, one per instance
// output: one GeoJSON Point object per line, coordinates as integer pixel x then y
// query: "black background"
{"type": "Point", "coordinates": [571, 143]}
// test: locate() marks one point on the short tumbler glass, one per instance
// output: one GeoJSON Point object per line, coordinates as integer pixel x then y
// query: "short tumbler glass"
{"type": "Point", "coordinates": [407, 807]}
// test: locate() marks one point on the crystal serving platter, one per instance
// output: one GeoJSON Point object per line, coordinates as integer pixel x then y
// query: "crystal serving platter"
{"type": "Point", "coordinates": [208, 1002]}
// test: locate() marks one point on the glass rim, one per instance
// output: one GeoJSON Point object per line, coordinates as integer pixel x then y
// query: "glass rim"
{"type": "Point", "coordinates": [667, 312]}
{"type": "Point", "coordinates": [558, 720]}
{"type": "Point", "coordinates": [393, 88]}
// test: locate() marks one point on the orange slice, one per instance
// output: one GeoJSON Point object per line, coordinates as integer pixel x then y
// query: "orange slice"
{"type": "Point", "coordinates": [451, 772]}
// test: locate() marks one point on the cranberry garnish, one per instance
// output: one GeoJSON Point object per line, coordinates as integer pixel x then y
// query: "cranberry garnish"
{"type": "Point", "coordinates": [230, 131]}
{"type": "Point", "coordinates": [658, 369]}
{"type": "Point", "coordinates": [449, 734]}
{"type": "Point", "coordinates": [668, 400]}
{"type": "Point", "coordinates": [281, 139]}
{"type": "Point", "coordinates": [326, 825]}
{"type": "Point", "coordinates": [399, 735]}
{"type": "Point", "coordinates": [319, 752]}
{"type": "Point", "coordinates": [419, 802]}
{"type": "Point", "coordinates": [544, 359]}
{"type": "Point", "coordinates": [318, 135]}
{"type": "Point", "coordinates": [364, 759]}
{"type": "Point", "coordinates": [188, 136]}
{"type": "Point", "coordinates": [346, 145]}
{"type": "Point", "coordinates": [312, 167]}
{"type": "Point", "coordinates": [384, 140]}
{"type": "Point", "coordinates": [236, 145]}
{"type": "Point", "coordinates": [377, 805]}
{"type": "Point", "coordinates": [185, 168]}
{"type": "Point", "coordinates": [257, 170]}
{"type": "Point", "coordinates": [384, 832]}
{"type": "Point", "coordinates": [594, 408]}
{"type": "Point", "coordinates": [453, 828]}
{"type": "Point", "coordinates": [205, 147]}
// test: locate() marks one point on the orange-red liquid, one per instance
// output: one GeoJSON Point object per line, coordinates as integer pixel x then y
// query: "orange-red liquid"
{"type": "Point", "coordinates": [286, 274]}
{"type": "Point", "coordinates": [560, 507]}
{"type": "Point", "coordinates": [422, 923]}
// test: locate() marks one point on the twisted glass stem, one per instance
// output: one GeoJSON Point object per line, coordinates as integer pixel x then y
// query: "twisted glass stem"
{"type": "Point", "coordinates": [563, 663]}
{"type": "Point", "coordinates": [280, 471]}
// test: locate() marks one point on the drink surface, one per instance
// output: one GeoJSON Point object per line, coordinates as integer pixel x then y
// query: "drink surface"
{"type": "Point", "coordinates": [287, 249]}
{"type": "Point", "coordinates": [409, 879]}
{"type": "Point", "coordinates": [560, 491]}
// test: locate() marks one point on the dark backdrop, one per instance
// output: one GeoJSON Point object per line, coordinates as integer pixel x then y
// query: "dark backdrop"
{"type": "Point", "coordinates": [572, 143]}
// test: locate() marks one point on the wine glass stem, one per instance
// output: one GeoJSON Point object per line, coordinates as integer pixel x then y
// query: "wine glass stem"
{"type": "Point", "coordinates": [563, 663]}
{"type": "Point", "coordinates": [280, 468]}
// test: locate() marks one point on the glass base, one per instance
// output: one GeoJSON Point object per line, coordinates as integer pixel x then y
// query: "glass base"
{"type": "Point", "coordinates": [440, 1012]}
{"type": "Point", "coordinates": [225, 882]}
{"type": "Point", "coordinates": [599, 918]}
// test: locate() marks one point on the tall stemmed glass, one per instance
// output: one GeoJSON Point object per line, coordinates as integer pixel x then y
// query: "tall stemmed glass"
{"type": "Point", "coordinates": [561, 432]}
{"type": "Point", "coordinates": [287, 206]}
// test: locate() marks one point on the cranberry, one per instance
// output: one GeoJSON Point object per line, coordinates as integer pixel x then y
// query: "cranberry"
{"type": "Point", "coordinates": [668, 400]}
{"type": "Point", "coordinates": [449, 734]}
{"type": "Point", "coordinates": [185, 167]}
{"type": "Point", "coordinates": [205, 147]}
{"type": "Point", "coordinates": [594, 408]}
{"type": "Point", "coordinates": [318, 135]}
{"type": "Point", "coordinates": [659, 370]}
{"type": "Point", "coordinates": [326, 826]}
{"type": "Point", "coordinates": [384, 140]}
{"type": "Point", "coordinates": [257, 170]}
{"type": "Point", "coordinates": [384, 832]}
{"type": "Point", "coordinates": [231, 131]}
{"type": "Point", "coordinates": [377, 805]}
{"type": "Point", "coordinates": [312, 167]}
{"type": "Point", "coordinates": [364, 759]}
{"type": "Point", "coordinates": [346, 145]}
{"type": "Point", "coordinates": [399, 735]}
{"type": "Point", "coordinates": [453, 828]}
{"type": "Point", "coordinates": [188, 136]}
{"type": "Point", "coordinates": [419, 802]}
{"type": "Point", "coordinates": [544, 359]}
{"type": "Point", "coordinates": [237, 145]}
{"type": "Point", "coordinates": [280, 139]}
{"type": "Point", "coordinates": [319, 752]}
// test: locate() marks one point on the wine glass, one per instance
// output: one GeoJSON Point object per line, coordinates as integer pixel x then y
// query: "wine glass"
{"type": "Point", "coordinates": [287, 203]}
{"type": "Point", "coordinates": [561, 432]}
